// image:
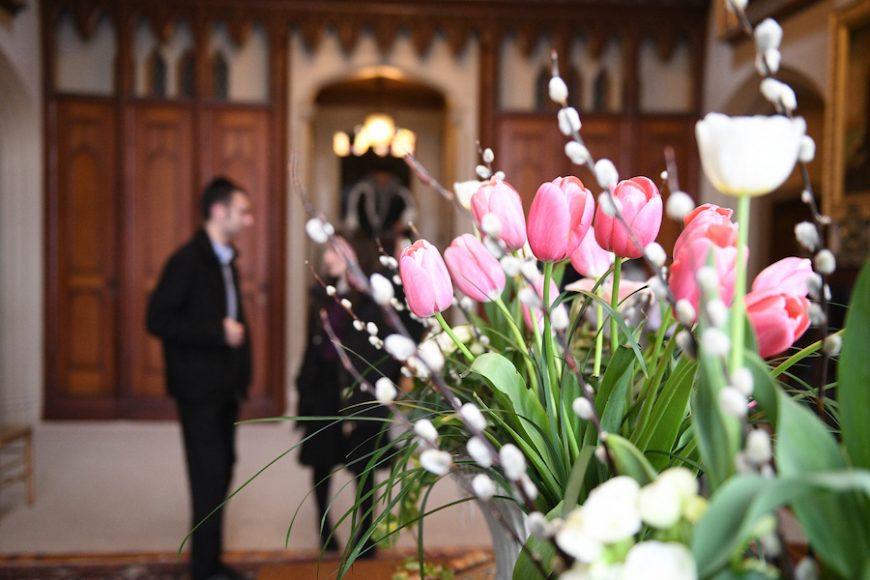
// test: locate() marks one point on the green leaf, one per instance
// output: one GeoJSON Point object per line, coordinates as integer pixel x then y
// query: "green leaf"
{"type": "Point", "coordinates": [613, 391]}
{"type": "Point", "coordinates": [623, 328]}
{"type": "Point", "coordinates": [669, 412]}
{"type": "Point", "coordinates": [853, 374]}
{"type": "Point", "coordinates": [575, 480]}
{"type": "Point", "coordinates": [738, 505]}
{"type": "Point", "coordinates": [629, 460]}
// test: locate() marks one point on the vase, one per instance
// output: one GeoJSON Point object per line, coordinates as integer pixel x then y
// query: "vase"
{"type": "Point", "coordinates": [505, 546]}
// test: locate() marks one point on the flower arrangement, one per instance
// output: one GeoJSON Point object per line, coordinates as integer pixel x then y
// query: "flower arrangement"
{"type": "Point", "coordinates": [642, 429]}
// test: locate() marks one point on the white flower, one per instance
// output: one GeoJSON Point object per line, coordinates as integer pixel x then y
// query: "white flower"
{"type": "Point", "coordinates": [806, 570]}
{"type": "Point", "coordinates": [330, 290]}
{"type": "Point", "coordinates": [660, 561]}
{"type": "Point", "coordinates": [577, 153]}
{"type": "Point", "coordinates": [814, 285]}
{"type": "Point", "coordinates": [807, 197]}
{"type": "Point", "coordinates": [494, 246]}
{"type": "Point", "coordinates": [316, 231]}
{"type": "Point", "coordinates": [610, 513]}
{"type": "Point", "coordinates": [832, 344]}
{"type": "Point", "coordinates": [472, 415]}
{"type": "Point", "coordinates": [569, 121]}
{"type": "Point", "coordinates": [601, 454]}
{"type": "Point", "coordinates": [426, 430]}
{"type": "Point", "coordinates": [743, 381]}
{"type": "Point", "coordinates": [686, 342]}
{"type": "Point", "coordinates": [529, 297]}
{"type": "Point", "coordinates": [758, 449]}
{"type": "Point", "coordinates": [605, 173]}
{"type": "Point", "coordinates": [529, 487]}
{"type": "Point", "coordinates": [376, 342]}
{"type": "Point", "coordinates": [658, 288]}
{"type": "Point", "coordinates": [767, 62]}
{"type": "Point", "coordinates": [583, 408]}
{"type": "Point", "coordinates": [382, 289]}
{"type": "Point", "coordinates": [559, 319]}
{"type": "Point", "coordinates": [479, 453]}
{"type": "Point", "coordinates": [655, 253]}
{"type": "Point", "coordinates": [435, 461]}
{"type": "Point", "coordinates": [483, 171]}
{"type": "Point", "coordinates": [685, 312]}
{"type": "Point", "coordinates": [465, 190]}
{"type": "Point", "coordinates": [538, 525]}
{"type": "Point", "coordinates": [817, 315]}
{"type": "Point", "coordinates": [359, 325]}
{"type": "Point", "coordinates": [679, 205]}
{"type": "Point", "coordinates": [491, 225]}
{"type": "Point", "coordinates": [401, 347]}
{"type": "Point", "coordinates": [372, 328]}
{"type": "Point", "coordinates": [768, 34]}
{"type": "Point", "coordinates": [708, 280]}
{"type": "Point", "coordinates": [530, 271]}
{"type": "Point", "coordinates": [483, 486]}
{"type": "Point", "coordinates": [825, 262]}
{"type": "Point", "coordinates": [717, 312]}
{"type": "Point", "coordinates": [574, 541]}
{"type": "Point", "coordinates": [659, 505]}
{"type": "Point", "coordinates": [715, 343]}
{"type": "Point", "coordinates": [807, 235]}
{"type": "Point", "coordinates": [347, 306]}
{"type": "Point", "coordinates": [385, 390]}
{"type": "Point", "coordinates": [733, 402]}
{"type": "Point", "coordinates": [748, 155]}
{"type": "Point", "coordinates": [466, 303]}
{"type": "Point", "coordinates": [488, 155]}
{"type": "Point", "coordinates": [558, 90]}
{"type": "Point", "coordinates": [808, 149]}
{"type": "Point", "coordinates": [513, 462]}
{"type": "Point", "coordinates": [609, 204]}
{"type": "Point", "coordinates": [736, 4]}
{"type": "Point", "coordinates": [432, 357]}
{"type": "Point", "coordinates": [511, 265]}
{"type": "Point", "coordinates": [680, 479]}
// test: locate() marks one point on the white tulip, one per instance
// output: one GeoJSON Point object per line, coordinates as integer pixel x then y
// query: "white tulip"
{"type": "Point", "coordinates": [574, 541]}
{"type": "Point", "coordinates": [483, 486]}
{"type": "Point", "coordinates": [385, 390]}
{"type": "Point", "coordinates": [610, 513]}
{"type": "Point", "coordinates": [435, 461]}
{"type": "Point", "coordinates": [660, 561]}
{"type": "Point", "coordinates": [479, 452]}
{"type": "Point", "coordinates": [513, 462]}
{"type": "Point", "coordinates": [748, 155]}
{"type": "Point", "coordinates": [426, 430]}
{"type": "Point", "coordinates": [401, 347]}
{"type": "Point", "coordinates": [659, 505]}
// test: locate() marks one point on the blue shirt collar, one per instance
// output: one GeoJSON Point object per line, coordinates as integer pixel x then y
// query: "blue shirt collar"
{"type": "Point", "coordinates": [224, 253]}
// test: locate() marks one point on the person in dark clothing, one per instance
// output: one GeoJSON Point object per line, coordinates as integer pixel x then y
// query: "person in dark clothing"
{"type": "Point", "coordinates": [196, 310]}
{"type": "Point", "coordinates": [327, 389]}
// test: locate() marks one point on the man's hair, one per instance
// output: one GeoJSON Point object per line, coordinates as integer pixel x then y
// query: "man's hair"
{"type": "Point", "coordinates": [219, 190]}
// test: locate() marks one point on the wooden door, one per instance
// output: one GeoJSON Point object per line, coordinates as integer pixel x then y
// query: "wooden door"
{"type": "Point", "coordinates": [159, 216]}
{"type": "Point", "coordinates": [81, 306]}
{"type": "Point", "coordinates": [236, 144]}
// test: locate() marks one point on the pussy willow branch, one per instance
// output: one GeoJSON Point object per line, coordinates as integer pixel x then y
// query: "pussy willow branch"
{"type": "Point", "coordinates": [819, 220]}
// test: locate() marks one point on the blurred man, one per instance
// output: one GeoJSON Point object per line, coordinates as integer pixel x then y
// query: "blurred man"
{"type": "Point", "coordinates": [196, 310]}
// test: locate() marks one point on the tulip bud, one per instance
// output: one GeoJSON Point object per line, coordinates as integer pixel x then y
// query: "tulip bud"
{"type": "Point", "coordinates": [513, 462]}
{"type": "Point", "coordinates": [679, 205]}
{"type": "Point", "coordinates": [483, 486]}
{"type": "Point", "coordinates": [427, 282]}
{"type": "Point", "coordinates": [478, 451]}
{"type": "Point", "coordinates": [474, 270]}
{"type": "Point", "coordinates": [641, 209]}
{"type": "Point", "coordinates": [436, 461]}
{"type": "Point", "coordinates": [385, 390]}
{"type": "Point", "coordinates": [559, 217]}
{"type": "Point", "coordinates": [501, 199]}
{"type": "Point", "coordinates": [590, 259]}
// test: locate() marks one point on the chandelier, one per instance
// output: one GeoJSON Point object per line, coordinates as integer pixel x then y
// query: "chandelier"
{"type": "Point", "coordinates": [378, 133]}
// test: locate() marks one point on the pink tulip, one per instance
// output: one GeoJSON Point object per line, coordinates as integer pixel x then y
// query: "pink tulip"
{"type": "Point", "coordinates": [559, 218]}
{"type": "Point", "coordinates": [721, 241]}
{"type": "Point", "coordinates": [539, 313]}
{"type": "Point", "coordinates": [789, 275]}
{"type": "Point", "coordinates": [502, 200]}
{"type": "Point", "coordinates": [590, 259]}
{"type": "Point", "coordinates": [474, 270]}
{"type": "Point", "coordinates": [641, 206]}
{"type": "Point", "coordinates": [427, 283]}
{"type": "Point", "coordinates": [700, 220]}
{"type": "Point", "coordinates": [778, 319]}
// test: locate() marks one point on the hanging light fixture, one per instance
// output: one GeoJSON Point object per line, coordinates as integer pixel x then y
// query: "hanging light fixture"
{"type": "Point", "coordinates": [378, 133]}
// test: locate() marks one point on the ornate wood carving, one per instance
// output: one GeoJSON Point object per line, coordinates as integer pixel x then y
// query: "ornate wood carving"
{"type": "Point", "coordinates": [347, 33]}
{"type": "Point", "coordinates": [422, 34]}
{"type": "Point", "coordinates": [666, 42]}
{"type": "Point", "coordinates": [385, 35]}
{"type": "Point", "coordinates": [311, 30]}
{"type": "Point", "coordinates": [239, 26]}
{"type": "Point", "coordinates": [86, 15]}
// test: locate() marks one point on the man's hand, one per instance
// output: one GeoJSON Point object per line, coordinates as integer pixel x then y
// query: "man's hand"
{"type": "Point", "coordinates": [234, 332]}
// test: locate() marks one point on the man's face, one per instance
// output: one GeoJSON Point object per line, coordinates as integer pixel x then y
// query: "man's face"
{"type": "Point", "coordinates": [236, 215]}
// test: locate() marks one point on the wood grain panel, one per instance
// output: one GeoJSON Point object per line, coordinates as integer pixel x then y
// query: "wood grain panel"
{"type": "Point", "coordinates": [159, 206]}
{"type": "Point", "coordinates": [82, 205]}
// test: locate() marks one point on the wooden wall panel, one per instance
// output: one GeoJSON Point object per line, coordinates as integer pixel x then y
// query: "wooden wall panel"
{"type": "Point", "coordinates": [237, 145]}
{"type": "Point", "coordinates": [159, 207]}
{"type": "Point", "coordinates": [81, 365]}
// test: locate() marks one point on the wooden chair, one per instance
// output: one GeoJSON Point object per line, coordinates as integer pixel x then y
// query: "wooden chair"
{"type": "Point", "coordinates": [17, 440]}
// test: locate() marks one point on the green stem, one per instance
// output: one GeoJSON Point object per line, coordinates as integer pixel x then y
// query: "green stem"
{"type": "Point", "coordinates": [468, 356]}
{"type": "Point", "coordinates": [738, 314]}
{"type": "Point", "coordinates": [549, 345]}
{"type": "Point", "coordinates": [599, 334]}
{"type": "Point", "coordinates": [521, 341]}
{"type": "Point", "coordinates": [614, 302]}
{"type": "Point", "coordinates": [798, 356]}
